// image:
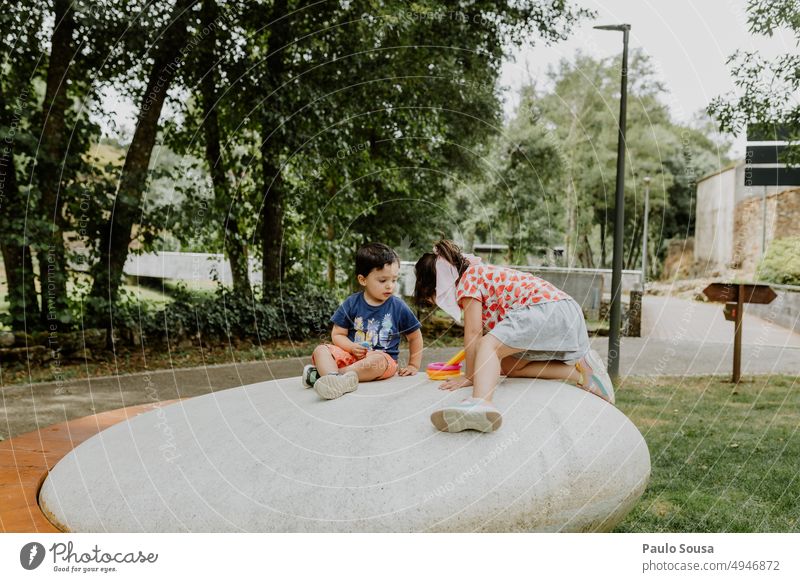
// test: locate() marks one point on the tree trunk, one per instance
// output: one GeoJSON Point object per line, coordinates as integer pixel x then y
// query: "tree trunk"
{"type": "Point", "coordinates": [53, 153]}
{"type": "Point", "coordinates": [635, 251]}
{"type": "Point", "coordinates": [23, 305]}
{"type": "Point", "coordinates": [271, 222]}
{"type": "Point", "coordinates": [587, 252]}
{"type": "Point", "coordinates": [511, 242]}
{"type": "Point", "coordinates": [603, 224]}
{"type": "Point", "coordinates": [115, 240]}
{"type": "Point", "coordinates": [331, 257]}
{"type": "Point", "coordinates": [234, 245]}
{"type": "Point", "coordinates": [271, 217]}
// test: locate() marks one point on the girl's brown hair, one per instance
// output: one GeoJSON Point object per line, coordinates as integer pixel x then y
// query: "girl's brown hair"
{"type": "Point", "coordinates": [425, 270]}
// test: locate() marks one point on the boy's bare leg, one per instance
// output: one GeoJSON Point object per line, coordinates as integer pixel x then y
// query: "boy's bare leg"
{"type": "Point", "coordinates": [514, 367]}
{"type": "Point", "coordinates": [324, 361]}
{"type": "Point", "coordinates": [371, 367]}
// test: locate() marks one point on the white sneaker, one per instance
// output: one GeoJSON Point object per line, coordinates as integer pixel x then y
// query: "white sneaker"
{"type": "Point", "coordinates": [333, 386]}
{"type": "Point", "coordinates": [596, 378]}
{"type": "Point", "coordinates": [469, 414]}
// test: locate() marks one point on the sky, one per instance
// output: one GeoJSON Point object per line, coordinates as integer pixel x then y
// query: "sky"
{"type": "Point", "coordinates": [688, 42]}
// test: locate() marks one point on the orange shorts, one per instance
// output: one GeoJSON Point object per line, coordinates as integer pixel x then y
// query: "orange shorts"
{"type": "Point", "coordinates": [344, 358]}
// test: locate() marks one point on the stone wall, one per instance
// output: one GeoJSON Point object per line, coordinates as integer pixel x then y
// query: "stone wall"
{"type": "Point", "coordinates": [782, 220]}
{"type": "Point", "coordinates": [784, 311]}
{"type": "Point", "coordinates": [679, 261]}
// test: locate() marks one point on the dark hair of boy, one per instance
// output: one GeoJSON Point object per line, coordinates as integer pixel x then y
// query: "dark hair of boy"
{"type": "Point", "coordinates": [425, 270]}
{"type": "Point", "coordinates": [374, 256]}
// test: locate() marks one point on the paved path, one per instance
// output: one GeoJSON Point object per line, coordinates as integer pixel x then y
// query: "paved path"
{"type": "Point", "coordinates": [681, 338]}
{"type": "Point", "coordinates": [670, 318]}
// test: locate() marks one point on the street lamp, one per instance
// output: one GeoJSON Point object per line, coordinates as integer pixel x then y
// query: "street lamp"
{"type": "Point", "coordinates": [644, 228]}
{"type": "Point", "coordinates": [619, 212]}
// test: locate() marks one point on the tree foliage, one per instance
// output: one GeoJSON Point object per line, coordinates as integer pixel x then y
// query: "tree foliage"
{"type": "Point", "coordinates": [766, 90]}
{"type": "Point", "coordinates": [552, 171]}
{"type": "Point", "coordinates": [290, 132]}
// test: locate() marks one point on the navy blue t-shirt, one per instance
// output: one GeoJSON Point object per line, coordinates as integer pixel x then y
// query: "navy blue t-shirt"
{"type": "Point", "coordinates": [380, 325]}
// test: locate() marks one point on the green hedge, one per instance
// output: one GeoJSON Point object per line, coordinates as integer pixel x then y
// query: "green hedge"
{"type": "Point", "coordinates": [293, 311]}
{"type": "Point", "coordinates": [781, 264]}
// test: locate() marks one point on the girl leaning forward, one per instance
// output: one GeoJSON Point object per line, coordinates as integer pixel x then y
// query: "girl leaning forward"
{"type": "Point", "coordinates": [533, 330]}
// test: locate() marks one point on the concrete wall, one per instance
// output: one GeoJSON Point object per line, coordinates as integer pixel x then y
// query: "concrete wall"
{"type": "Point", "coordinates": [587, 286]}
{"type": "Point", "coordinates": [714, 223]}
{"type": "Point", "coordinates": [784, 311]}
{"type": "Point", "coordinates": [730, 219]}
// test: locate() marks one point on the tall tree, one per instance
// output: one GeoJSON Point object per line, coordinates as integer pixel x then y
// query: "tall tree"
{"type": "Point", "coordinates": [166, 57]}
{"type": "Point", "coordinates": [210, 96]}
{"type": "Point", "coordinates": [569, 126]}
{"type": "Point", "coordinates": [18, 55]}
{"type": "Point", "coordinates": [341, 75]}
{"type": "Point", "coordinates": [50, 165]}
{"type": "Point", "coordinates": [23, 306]}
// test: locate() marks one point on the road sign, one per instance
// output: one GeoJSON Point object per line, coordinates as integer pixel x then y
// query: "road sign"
{"type": "Point", "coordinates": [755, 176]}
{"type": "Point", "coordinates": [764, 154]}
{"type": "Point", "coordinates": [735, 295]}
{"type": "Point", "coordinates": [729, 293]}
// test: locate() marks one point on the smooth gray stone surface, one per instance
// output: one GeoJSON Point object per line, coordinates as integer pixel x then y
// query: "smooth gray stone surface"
{"type": "Point", "coordinates": [274, 457]}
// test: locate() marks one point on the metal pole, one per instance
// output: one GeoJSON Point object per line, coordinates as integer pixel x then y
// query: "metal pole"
{"type": "Point", "coordinates": [619, 214]}
{"type": "Point", "coordinates": [764, 223]}
{"type": "Point", "coordinates": [644, 234]}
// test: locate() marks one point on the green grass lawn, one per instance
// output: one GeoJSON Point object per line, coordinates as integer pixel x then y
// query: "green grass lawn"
{"type": "Point", "coordinates": [724, 458]}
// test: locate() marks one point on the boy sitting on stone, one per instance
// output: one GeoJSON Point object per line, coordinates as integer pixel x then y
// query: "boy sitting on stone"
{"type": "Point", "coordinates": [365, 340]}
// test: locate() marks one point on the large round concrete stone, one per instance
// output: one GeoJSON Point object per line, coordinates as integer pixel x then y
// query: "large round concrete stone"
{"type": "Point", "coordinates": [274, 457]}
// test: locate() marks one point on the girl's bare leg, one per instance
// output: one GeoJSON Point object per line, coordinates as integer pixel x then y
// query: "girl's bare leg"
{"type": "Point", "coordinates": [487, 366]}
{"type": "Point", "coordinates": [547, 370]}
{"type": "Point", "coordinates": [369, 368]}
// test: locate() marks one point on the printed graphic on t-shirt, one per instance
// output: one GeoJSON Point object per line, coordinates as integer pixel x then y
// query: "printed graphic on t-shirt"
{"type": "Point", "coordinates": [378, 326]}
{"type": "Point", "coordinates": [375, 334]}
{"type": "Point", "coordinates": [358, 326]}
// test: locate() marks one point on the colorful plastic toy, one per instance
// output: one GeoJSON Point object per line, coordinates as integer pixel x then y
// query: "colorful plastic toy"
{"type": "Point", "coordinates": [446, 370]}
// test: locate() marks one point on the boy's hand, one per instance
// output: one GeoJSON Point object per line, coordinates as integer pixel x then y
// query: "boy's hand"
{"type": "Point", "coordinates": [358, 350]}
{"type": "Point", "coordinates": [409, 370]}
{"type": "Point", "coordinates": [455, 383]}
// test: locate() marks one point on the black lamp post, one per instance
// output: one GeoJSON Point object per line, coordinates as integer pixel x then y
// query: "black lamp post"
{"type": "Point", "coordinates": [619, 212]}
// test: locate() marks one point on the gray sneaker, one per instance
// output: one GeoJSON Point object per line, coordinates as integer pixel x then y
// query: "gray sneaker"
{"type": "Point", "coordinates": [333, 386]}
{"type": "Point", "coordinates": [596, 378]}
{"type": "Point", "coordinates": [309, 377]}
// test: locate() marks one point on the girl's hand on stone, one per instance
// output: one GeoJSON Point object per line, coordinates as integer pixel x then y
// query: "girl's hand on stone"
{"type": "Point", "coordinates": [409, 370]}
{"type": "Point", "coordinates": [455, 383]}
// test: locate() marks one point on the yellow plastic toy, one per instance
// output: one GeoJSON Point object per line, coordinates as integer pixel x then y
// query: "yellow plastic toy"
{"type": "Point", "coordinates": [446, 370]}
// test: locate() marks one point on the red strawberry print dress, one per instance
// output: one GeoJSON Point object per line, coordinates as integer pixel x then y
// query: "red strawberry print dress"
{"type": "Point", "coordinates": [501, 289]}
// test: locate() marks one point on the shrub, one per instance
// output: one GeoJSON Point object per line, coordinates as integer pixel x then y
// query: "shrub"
{"type": "Point", "coordinates": [303, 309]}
{"type": "Point", "coordinates": [781, 263]}
{"type": "Point", "coordinates": [293, 310]}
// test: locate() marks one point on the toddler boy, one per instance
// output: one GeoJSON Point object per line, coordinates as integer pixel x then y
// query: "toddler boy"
{"type": "Point", "coordinates": [367, 326]}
